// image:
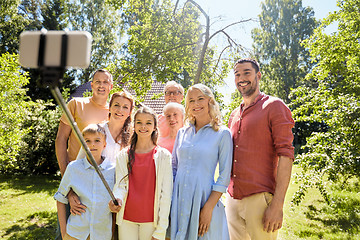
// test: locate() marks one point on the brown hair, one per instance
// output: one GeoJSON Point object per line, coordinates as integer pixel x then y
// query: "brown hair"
{"type": "Point", "coordinates": [103, 71]}
{"type": "Point", "coordinates": [134, 137]}
{"type": "Point", "coordinates": [125, 132]}
{"type": "Point", "coordinates": [253, 62]}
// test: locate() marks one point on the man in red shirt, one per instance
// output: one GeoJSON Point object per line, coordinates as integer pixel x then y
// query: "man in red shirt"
{"type": "Point", "coordinates": [262, 161]}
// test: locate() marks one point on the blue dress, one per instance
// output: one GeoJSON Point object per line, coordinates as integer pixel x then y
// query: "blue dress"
{"type": "Point", "coordinates": [195, 157]}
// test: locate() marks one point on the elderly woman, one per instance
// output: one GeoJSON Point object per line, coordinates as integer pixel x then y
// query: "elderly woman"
{"type": "Point", "coordinates": [174, 114]}
{"type": "Point", "coordinates": [196, 212]}
{"type": "Point", "coordinates": [173, 92]}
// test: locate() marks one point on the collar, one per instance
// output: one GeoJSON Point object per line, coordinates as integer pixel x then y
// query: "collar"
{"type": "Point", "coordinates": [98, 105]}
{"type": "Point", "coordinates": [192, 126]}
{"type": "Point", "coordinates": [257, 99]}
{"type": "Point", "coordinates": [88, 165]}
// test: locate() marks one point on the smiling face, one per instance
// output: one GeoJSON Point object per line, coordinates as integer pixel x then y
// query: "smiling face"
{"type": "Point", "coordinates": [246, 79]}
{"type": "Point", "coordinates": [144, 125]}
{"type": "Point", "coordinates": [101, 84]}
{"type": "Point", "coordinates": [96, 143]}
{"type": "Point", "coordinates": [173, 94]}
{"type": "Point", "coordinates": [174, 118]}
{"type": "Point", "coordinates": [198, 103]}
{"type": "Point", "coordinates": [120, 109]}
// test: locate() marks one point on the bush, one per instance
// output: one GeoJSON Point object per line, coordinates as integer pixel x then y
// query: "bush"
{"type": "Point", "coordinates": [37, 155]}
{"type": "Point", "coordinates": [13, 108]}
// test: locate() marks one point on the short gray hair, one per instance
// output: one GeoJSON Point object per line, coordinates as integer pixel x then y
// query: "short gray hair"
{"type": "Point", "coordinates": [175, 105]}
{"type": "Point", "coordinates": [175, 84]}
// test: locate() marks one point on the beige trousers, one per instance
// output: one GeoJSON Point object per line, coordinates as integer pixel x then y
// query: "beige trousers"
{"type": "Point", "coordinates": [244, 217]}
{"type": "Point", "coordinates": [136, 231]}
{"type": "Point", "coordinates": [68, 237]}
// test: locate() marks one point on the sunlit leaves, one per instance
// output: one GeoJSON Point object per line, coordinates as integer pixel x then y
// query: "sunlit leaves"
{"type": "Point", "coordinates": [336, 101]}
{"type": "Point", "coordinates": [12, 104]}
{"type": "Point", "coordinates": [283, 25]}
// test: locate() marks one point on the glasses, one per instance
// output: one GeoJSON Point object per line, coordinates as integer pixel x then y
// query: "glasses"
{"type": "Point", "coordinates": [175, 93]}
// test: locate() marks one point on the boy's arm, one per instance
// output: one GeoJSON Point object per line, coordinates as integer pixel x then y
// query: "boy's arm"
{"type": "Point", "coordinates": [62, 217]}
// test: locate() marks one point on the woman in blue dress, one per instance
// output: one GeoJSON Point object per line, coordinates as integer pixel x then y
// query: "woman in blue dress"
{"type": "Point", "coordinates": [196, 210]}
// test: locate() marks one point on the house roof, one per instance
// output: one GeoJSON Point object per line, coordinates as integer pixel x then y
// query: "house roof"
{"type": "Point", "coordinates": [157, 88]}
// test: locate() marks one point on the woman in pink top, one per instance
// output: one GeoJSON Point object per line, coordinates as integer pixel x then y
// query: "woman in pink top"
{"type": "Point", "coordinates": [174, 114]}
{"type": "Point", "coordinates": [143, 184]}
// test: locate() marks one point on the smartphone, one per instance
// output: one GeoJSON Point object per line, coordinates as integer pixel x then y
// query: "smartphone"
{"type": "Point", "coordinates": [78, 48]}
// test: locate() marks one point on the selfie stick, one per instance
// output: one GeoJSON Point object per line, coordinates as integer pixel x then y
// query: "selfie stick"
{"type": "Point", "coordinates": [51, 77]}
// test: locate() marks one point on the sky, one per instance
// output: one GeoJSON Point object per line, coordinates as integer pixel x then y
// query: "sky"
{"type": "Point", "coordinates": [224, 12]}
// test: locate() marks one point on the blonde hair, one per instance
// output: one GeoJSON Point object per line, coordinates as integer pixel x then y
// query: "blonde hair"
{"type": "Point", "coordinates": [214, 110]}
{"type": "Point", "coordinates": [94, 128]}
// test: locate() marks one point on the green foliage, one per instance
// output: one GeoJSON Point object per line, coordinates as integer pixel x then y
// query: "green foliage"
{"type": "Point", "coordinates": [104, 22]}
{"type": "Point", "coordinates": [28, 129]}
{"type": "Point", "coordinates": [37, 154]}
{"type": "Point", "coordinates": [164, 44]}
{"type": "Point", "coordinates": [237, 99]}
{"type": "Point", "coordinates": [11, 25]}
{"type": "Point", "coordinates": [13, 108]}
{"type": "Point", "coordinates": [332, 155]}
{"type": "Point", "coordinates": [277, 44]}
{"type": "Point", "coordinates": [161, 44]}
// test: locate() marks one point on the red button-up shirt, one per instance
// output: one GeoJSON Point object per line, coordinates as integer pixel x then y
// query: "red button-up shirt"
{"type": "Point", "coordinates": [261, 133]}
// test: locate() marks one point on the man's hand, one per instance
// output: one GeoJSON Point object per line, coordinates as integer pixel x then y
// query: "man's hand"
{"type": "Point", "coordinates": [273, 215]}
{"type": "Point", "coordinates": [273, 218]}
{"type": "Point", "coordinates": [76, 207]}
{"type": "Point", "coordinates": [115, 208]}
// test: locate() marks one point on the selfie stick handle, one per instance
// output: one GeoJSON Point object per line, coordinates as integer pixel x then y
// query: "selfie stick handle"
{"type": "Point", "coordinates": [51, 77]}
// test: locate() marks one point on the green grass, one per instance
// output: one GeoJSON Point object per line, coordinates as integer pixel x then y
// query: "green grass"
{"type": "Point", "coordinates": [28, 211]}
{"type": "Point", "coordinates": [27, 207]}
{"type": "Point", "coordinates": [314, 219]}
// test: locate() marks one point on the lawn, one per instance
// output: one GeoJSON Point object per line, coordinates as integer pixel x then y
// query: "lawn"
{"type": "Point", "coordinates": [27, 211]}
{"type": "Point", "coordinates": [27, 207]}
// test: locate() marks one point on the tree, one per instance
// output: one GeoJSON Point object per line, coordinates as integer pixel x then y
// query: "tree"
{"type": "Point", "coordinates": [13, 105]}
{"type": "Point", "coordinates": [207, 37]}
{"type": "Point", "coordinates": [37, 152]}
{"type": "Point", "coordinates": [11, 25]}
{"type": "Point", "coordinates": [167, 42]}
{"type": "Point", "coordinates": [332, 155]}
{"type": "Point", "coordinates": [277, 44]}
{"type": "Point", "coordinates": [161, 44]}
{"type": "Point", "coordinates": [105, 24]}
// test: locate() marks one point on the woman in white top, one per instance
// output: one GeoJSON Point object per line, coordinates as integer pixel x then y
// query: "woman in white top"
{"type": "Point", "coordinates": [118, 131]}
{"type": "Point", "coordinates": [118, 128]}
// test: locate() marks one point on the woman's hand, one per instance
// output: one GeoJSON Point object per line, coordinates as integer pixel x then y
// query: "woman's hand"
{"type": "Point", "coordinates": [204, 220]}
{"type": "Point", "coordinates": [76, 207]}
{"type": "Point", "coordinates": [115, 208]}
{"type": "Point", "coordinates": [206, 212]}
